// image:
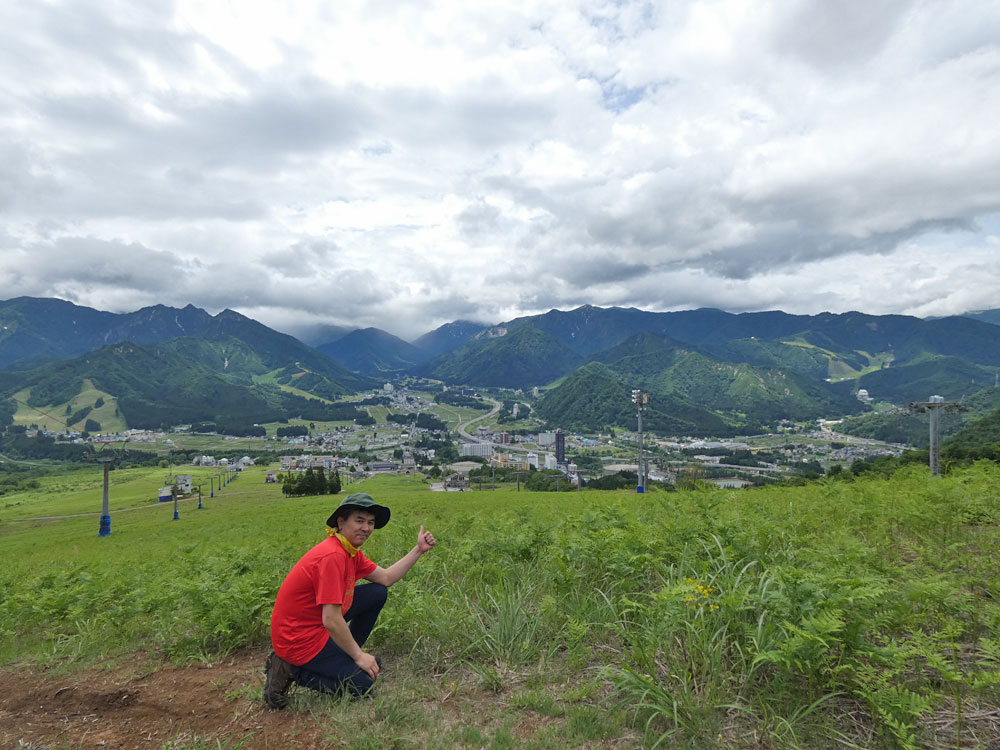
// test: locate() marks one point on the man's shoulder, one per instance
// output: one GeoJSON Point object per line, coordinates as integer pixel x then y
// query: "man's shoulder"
{"type": "Point", "coordinates": [328, 548]}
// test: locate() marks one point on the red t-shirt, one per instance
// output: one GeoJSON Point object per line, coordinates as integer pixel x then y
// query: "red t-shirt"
{"type": "Point", "coordinates": [325, 575]}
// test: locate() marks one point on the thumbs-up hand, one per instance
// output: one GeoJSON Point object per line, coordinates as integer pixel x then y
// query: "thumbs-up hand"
{"type": "Point", "coordinates": [425, 540]}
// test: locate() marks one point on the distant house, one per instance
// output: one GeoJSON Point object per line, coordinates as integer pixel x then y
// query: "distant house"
{"type": "Point", "coordinates": [381, 466]}
{"type": "Point", "coordinates": [183, 482]}
{"type": "Point", "coordinates": [456, 482]}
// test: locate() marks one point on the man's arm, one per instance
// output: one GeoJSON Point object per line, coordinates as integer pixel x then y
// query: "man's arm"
{"type": "Point", "coordinates": [388, 576]}
{"type": "Point", "coordinates": [340, 632]}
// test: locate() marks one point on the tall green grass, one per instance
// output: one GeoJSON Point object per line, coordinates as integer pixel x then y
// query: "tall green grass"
{"type": "Point", "coordinates": [835, 614]}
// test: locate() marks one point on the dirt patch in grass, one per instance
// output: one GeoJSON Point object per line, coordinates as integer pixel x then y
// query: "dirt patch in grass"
{"type": "Point", "coordinates": [199, 703]}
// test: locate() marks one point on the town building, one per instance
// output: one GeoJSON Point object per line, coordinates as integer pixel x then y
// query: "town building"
{"type": "Point", "coordinates": [560, 447]}
{"type": "Point", "coordinates": [483, 450]}
{"type": "Point", "coordinates": [509, 461]}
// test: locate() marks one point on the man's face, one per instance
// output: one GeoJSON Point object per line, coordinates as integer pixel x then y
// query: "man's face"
{"type": "Point", "coordinates": [356, 526]}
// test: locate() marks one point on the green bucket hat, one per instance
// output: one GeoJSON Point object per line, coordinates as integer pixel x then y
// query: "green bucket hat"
{"type": "Point", "coordinates": [360, 501]}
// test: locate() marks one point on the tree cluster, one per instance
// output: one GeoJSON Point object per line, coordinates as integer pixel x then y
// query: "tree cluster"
{"type": "Point", "coordinates": [311, 482]}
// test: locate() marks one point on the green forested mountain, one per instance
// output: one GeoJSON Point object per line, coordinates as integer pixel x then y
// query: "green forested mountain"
{"type": "Point", "coordinates": [762, 394]}
{"type": "Point", "coordinates": [156, 385]}
{"type": "Point", "coordinates": [447, 337]}
{"type": "Point", "coordinates": [37, 329]}
{"type": "Point", "coordinates": [522, 358]}
{"type": "Point", "coordinates": [595, 396]}
{"type": "Point", "coordinates": [281, 350]}
{"type": "Point", "coordinates": [809, 361]}
{"type": "Point", "coordinates": [680, 378]}
{"type": "Point", "coordinates": [951, 377]}
{"type": "Point", "coordinates": [372, 351]}
{"type": "Point", "coordinates": [986, 316]}
{"type": "Point", "coordinates": [591, 329]}
{"type": "Point", "coordinates": [235, 358]}
{"type": "Point", "coordinates": [748, 368]}
{"type": "Point", "coordinates": [223, 354]}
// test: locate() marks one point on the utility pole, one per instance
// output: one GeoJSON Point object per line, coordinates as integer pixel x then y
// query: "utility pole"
{"type": "Point", "coordinates": [934, 406]}
{"type": "Point", "coordinates": [105, 527]}
{"type": "Point", "coordinates": [641, 401]}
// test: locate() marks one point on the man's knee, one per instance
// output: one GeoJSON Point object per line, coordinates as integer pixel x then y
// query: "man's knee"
{"type": "Point", "coordinates": [374, 594]}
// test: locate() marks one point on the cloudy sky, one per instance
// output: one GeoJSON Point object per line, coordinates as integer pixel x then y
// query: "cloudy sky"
{"type": "Point", "coordinates": [404, 164]}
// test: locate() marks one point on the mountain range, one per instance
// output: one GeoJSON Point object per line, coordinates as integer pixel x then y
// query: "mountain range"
{"type": "Point", "coordinates": [709, 371]}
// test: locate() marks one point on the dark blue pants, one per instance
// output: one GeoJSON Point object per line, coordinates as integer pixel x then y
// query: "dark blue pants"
{"type": "Point", "coordinates": [332, 670]}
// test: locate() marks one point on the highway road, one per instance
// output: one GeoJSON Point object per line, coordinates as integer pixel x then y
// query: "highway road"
{"type": "Point", "coordinates": [463, 427]}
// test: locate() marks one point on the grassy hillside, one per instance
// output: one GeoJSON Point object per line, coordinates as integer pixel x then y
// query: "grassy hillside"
{"type": "Point", "coordinates": [89, 403]}
{"type": "Point", "coordinates": [859, 614]}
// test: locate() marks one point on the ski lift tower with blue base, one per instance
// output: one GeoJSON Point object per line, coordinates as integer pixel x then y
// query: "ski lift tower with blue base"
{"type": "Point", "coordinates": [105, 527]}
{"type": "Point", "coordinates": [641, 401]}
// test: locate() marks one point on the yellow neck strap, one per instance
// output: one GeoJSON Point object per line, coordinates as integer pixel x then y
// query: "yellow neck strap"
{"type": "Point", "coordinates": [351, 549]}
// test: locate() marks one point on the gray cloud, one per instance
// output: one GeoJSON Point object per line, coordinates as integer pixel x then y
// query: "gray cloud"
{"type": "Point", "coordinates": [408, 167]}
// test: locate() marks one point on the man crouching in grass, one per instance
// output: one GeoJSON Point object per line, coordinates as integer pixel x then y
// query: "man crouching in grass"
{"type": "Point", "coordinates": [321, 620]}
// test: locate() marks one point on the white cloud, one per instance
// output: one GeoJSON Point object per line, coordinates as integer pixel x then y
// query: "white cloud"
{"type": "Point", "coordinates": [403, 165]}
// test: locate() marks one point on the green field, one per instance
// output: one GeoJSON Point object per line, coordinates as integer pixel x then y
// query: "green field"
{"type": "Point", "coordinates": [839, 614]}
{"type": "Point", "coordinates": [82, 491]}
{"type": "Point", "coordinates": [453, 416]}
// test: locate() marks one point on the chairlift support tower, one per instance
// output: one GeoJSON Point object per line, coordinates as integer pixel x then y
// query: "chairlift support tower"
{"type": "Point", "coordinates": [641, 400]}
{"type": "Point", "coordinates": [933, 407]}
{"type": "Point", "coordinates": [105, 527]}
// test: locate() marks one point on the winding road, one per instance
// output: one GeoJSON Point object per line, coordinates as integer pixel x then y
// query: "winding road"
{"type": "Point", "coordinates": [462, 428]}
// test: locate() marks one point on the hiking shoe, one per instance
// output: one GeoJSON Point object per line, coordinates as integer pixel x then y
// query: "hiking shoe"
{"type": "Point", "coordinates": [277, 681]}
